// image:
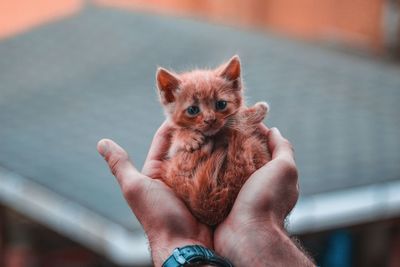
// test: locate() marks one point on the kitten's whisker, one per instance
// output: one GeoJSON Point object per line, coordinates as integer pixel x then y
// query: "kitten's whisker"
{"type": "Point", "coordinates": [231, 114]}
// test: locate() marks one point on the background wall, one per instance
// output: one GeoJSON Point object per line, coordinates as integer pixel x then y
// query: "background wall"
{"type": "Point", "coordinates": [360, 23]}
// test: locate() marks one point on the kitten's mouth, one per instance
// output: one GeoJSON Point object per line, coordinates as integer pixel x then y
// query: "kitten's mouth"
{"type": "Point", "coordinates": [211, 132]}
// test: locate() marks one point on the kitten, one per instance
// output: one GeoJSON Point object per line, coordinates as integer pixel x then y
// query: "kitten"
{"type": "Point", "coordinates": [215, 145]}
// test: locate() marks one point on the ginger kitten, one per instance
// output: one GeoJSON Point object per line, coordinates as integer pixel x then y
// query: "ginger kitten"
{"type": "Point", "coordinates": [215, 145]}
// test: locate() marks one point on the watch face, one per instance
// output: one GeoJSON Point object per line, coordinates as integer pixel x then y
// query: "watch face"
{"type": "Point", "coordinates": [195, 255]}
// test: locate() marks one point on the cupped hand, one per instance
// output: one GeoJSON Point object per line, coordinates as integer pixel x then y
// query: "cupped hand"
{"type": "Point", "coordinates": [253, 233]}
{"type": "Point", "coordinates": [272, 191]}
{"type": "Point", "coordinates": [165, 218]}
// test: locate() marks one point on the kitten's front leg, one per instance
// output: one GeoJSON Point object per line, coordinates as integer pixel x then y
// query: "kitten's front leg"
{"type": "Point", "coordinates": [257, 113]}
{"type": "Point", "coordinates": [187, 140]}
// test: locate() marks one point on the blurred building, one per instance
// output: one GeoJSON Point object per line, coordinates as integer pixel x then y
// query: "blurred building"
{"type": "Point", "coordinates": [75, 71]}
{"type": "Point", "coordinates": [372, 25]}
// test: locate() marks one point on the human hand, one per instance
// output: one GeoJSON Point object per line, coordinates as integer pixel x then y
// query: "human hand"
{"type": "Point", "coordinates": [165, 219]}
{"type": "Point", "coordinates": [253, 233]}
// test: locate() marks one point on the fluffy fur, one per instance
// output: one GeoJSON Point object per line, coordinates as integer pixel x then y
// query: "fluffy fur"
{"type": "Point", "coordinates": [214, 151]}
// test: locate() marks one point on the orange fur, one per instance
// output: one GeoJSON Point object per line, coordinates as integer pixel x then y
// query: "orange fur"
{"type": "Point", "coordinates": [213, 152]}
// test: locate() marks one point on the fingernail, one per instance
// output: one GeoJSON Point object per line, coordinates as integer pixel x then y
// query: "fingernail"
{"type": "Point", "coordinates": [103, 147]}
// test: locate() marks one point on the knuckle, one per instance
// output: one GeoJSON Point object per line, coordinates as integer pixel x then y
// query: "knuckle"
{"type": "Point", "coordinates": [292, 171]}
{"type": "Point", "coordinates": [115, 161]}
{"type": "Point", "coordinates": [288, 168]}
{"type": "Point", "coordinates": [114, 166]}
{"type": "Point", "coordinates": [292, 168]}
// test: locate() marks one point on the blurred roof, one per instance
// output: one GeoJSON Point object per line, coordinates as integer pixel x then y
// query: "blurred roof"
{"type": "Point", "coordinates": [67, 84]}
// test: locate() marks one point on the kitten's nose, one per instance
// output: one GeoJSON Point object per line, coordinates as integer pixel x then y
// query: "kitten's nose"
{"type": "Point", "coordinates": [210, 121]}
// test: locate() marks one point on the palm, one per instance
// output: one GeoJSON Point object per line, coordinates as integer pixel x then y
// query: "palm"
{"type": "Point", "coordinates": [164, 217]}
{"type": "Point", "coordinates": [268, 195]}
{"type": "Point", "coordinates": [162, 197]}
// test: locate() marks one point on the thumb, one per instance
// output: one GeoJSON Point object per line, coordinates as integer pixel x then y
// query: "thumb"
{"type": "Point", "coordinates": [118, 162]}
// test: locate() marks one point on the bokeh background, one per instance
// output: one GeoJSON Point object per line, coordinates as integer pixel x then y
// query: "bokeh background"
{"type": "Point", "coordinates": [75, 71]}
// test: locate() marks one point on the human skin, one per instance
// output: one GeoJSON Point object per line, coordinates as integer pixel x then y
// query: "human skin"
{"type": "Point", "coordinates": [253, 233]}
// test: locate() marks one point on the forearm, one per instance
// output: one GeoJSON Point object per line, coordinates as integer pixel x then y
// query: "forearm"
{"type": "Point", "coordinates": [269, 246]}
{"type": "Point", "coordinates": [282, 251]}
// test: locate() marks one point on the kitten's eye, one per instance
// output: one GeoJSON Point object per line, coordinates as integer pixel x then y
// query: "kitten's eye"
{"type": "Point", "coordinates": [193, 110]}
{"type": "Point", "coordinates": [220, 105]}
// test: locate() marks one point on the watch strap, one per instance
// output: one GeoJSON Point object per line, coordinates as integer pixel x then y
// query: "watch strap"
{"type": "Point", "coordinates": [195, 254]}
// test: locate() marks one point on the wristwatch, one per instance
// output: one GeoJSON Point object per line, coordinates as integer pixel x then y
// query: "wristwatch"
{"type": "Point", "coordinates": [194, 255]}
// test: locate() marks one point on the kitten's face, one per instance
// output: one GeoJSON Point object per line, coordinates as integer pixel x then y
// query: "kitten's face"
{"type": "Point", "coordinates": [202, 100]}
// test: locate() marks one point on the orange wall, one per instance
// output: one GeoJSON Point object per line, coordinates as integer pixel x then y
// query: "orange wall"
{"type": "Point", "coordinates": [17, 16]}
{"type": "Point", "coordinates": [355, 22]}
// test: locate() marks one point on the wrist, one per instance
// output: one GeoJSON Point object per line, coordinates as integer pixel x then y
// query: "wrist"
{"type": "Point", "coordinates": [242, 244]}
{"type": "Point", "coordinates": [258, 244]}
{"type": "Point", "coordinates": [164, 239]}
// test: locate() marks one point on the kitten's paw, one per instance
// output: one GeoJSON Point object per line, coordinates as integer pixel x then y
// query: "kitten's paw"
{"type": "Point", "coordinates": [257, 113]}
{"type": "Point", "coordinates": [207, 147]}
{"type": "Point", "coordinates": [261, 108]}
{"type": "Point", "coordinates": [194, 142]}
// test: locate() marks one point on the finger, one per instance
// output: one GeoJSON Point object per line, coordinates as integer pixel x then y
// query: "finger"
{"type": "Point", "coordinates": [273, 187]}
{"type": "Point", "coordinates": [263, 129]}
{"type": "Point", "coordinates": [139, 191]}
{"type": "Point", "coordinates": [118, 161]}
{"type": "Point", "coordinates": [161, 142]}
{"type": "Point", "coordinates": [279, 146]}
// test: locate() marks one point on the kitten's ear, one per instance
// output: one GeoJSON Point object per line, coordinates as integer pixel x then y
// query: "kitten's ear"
{"type": "Point", "coordinates": [167, 84]}
{"type": "Point", "coordinates": [231, 70]}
